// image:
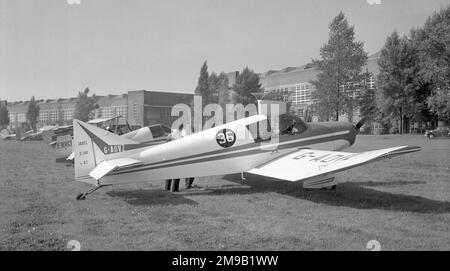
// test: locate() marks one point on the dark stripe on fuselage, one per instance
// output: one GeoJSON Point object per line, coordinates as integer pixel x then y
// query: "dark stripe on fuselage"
{"type": "Point", "coordinates": [283, 139]}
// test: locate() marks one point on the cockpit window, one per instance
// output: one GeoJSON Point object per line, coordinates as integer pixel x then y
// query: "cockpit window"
{"type": "Point", "coordinates": [166, 130]}
{"type": "Point", "coordinates": [288, 125]}
{"type": "Point", "coordinates": [156, 131]}
{"type": "Point", "coordinates": [291, 124]}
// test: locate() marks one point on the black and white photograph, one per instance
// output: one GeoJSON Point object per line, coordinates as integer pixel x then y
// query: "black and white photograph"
{"type": "Point", "coordinates": [242, 128]}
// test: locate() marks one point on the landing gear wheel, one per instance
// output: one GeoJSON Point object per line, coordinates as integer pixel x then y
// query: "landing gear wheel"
{"type": "Point", "coordinates": [81, 196]}
{"type": "Point", "coordinates": [168, 184]}
{"type": "Point", "coordinates": [92, 190]}
{"type": "Point", "coordinates": [175, 185]}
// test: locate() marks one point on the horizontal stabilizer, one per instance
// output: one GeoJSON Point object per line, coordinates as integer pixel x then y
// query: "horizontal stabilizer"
{"type": "Point", "coordinates": [70, 157]}
{"type": "Point", "coordinates": [106, 167]}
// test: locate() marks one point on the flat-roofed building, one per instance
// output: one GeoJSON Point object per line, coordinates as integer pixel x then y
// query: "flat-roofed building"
{"type": "Point", "coordinates": [139, 107]}
{"type": "Point", "coordinates": [296, 82]}
{"type": "Point", "coordinates": [152, 107]}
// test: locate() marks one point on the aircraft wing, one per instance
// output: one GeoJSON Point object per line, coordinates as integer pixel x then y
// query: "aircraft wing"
{"type": "Point", "coordinates": [100, 120]}
{"type": "Point", "coordinates": [106, 167]}
{"type": "Point", "coordinates": [307, 163]}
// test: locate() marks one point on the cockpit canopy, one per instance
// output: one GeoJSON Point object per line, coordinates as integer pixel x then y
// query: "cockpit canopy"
{"type": "Point", "coordinates": [288, 124]}
{"type": "Point", "coordinates": [291, 124]}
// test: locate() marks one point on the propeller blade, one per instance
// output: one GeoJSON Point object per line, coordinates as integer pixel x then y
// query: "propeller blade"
{"type": "Point", "coordinates": [360, 123]}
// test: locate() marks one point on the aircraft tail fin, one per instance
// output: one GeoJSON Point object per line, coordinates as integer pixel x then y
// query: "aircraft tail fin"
{"type": "Point", "coordinates": [92, 145]}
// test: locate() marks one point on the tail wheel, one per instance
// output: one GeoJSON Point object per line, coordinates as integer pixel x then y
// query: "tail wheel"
{"type": "Point", "coordinates": [81, 196]}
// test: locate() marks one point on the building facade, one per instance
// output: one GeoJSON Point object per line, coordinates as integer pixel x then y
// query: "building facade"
{"type": "Point", "coordinates": [139, 107]}
{"type": "Point", "coordinates": [296, 82]}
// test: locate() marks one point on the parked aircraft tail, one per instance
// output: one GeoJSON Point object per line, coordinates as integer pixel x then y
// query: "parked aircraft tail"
{"type": "Point", "coordinates": [93, 145]}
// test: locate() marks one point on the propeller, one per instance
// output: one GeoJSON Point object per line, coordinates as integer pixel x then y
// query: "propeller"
{"type": "Point", "coordinates": [360, 124]}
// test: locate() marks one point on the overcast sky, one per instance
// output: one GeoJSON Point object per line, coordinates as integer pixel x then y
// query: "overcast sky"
{"type": "Point", "coordinates": [51, 49]}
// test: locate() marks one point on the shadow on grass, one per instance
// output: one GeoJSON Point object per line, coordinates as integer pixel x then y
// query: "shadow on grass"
{"type": "Point", "coordinates": [349, 194]}
{"type": "Point", "coordinates": [150, 197]}
{"type": "Point", "coordinates": [393, 183]}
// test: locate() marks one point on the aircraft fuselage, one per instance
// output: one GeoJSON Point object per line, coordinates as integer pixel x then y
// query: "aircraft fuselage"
{"type": "Point", "coordinates": [204, 153]}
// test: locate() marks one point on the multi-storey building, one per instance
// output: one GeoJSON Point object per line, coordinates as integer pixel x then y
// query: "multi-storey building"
{"type": "Point", "coordinates": [296, 82]}
{"type": "Point", "coordinates": [137, 107]}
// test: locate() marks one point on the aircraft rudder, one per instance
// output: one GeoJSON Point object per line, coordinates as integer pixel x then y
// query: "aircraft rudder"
{"type": "Point", "coordinates": [83, 148]}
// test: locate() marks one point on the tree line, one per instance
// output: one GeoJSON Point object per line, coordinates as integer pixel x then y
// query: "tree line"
{"type": "Point", "coordinates": [215, 88]}
{"type": "Point", "coordinates": [414, 78]}
{"type": "Point", "coordinates": [413, 82]}
{"type": "Point", "coordinates": [85, 107]}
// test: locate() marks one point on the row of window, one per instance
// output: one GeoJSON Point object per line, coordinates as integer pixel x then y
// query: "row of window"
{"type": "Point", "coordinates": [21, 117]}
{"type": "Point", "coordinates": [301, 93]}
{"type": "Point", "coordinates": [67, 114]}
{"type": "Point", "coordinates": [109, 112]}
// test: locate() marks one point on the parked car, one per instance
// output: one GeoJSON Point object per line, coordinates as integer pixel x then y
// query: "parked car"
{"type": "Point", "coordinates": [7, 135]}
{"type": "Point", "coordinates": [394, 131]}
{"type": "Point", "coordinates": [438, 132]}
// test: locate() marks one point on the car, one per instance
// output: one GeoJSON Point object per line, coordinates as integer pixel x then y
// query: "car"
{"type": "Point", "coordinates": [394, 131]}
{"type": "Point", "coordinates": [438, 132]}
{"type": "Point", "coordinates": [7, 135]}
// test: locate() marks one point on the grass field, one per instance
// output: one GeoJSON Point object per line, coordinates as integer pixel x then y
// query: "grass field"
{"type": "Point", "coordinates": [404, 203]}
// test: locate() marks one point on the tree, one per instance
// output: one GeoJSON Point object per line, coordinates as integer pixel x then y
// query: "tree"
{"type": "Point", "coordinates": [213, 84]}
{"type": "Point", "coordinates": [433, 42]}
{"type": "Point", "coordinates": [223, 91]}
{"type": "Point", "coordinates": [203, 88]}
{"type": "Point", "coordinates": [33, 113]}
{"type": "Point", "coordinates": [60, 114]}
{"type": "Point", "coordinates": [397, 78]}
{"type": "Point", "coordinates": [85, 106]}
{"type": "Point", "coordinates": [342, 59]}
{"type": "Point", "coordinates": [439, 103]}
{"type": "Point", "coordinates": [4, 116]}
{"type": "Point", "coordinates": [247, 82]}
{"type": "Point", "coordinates": [367, 101]}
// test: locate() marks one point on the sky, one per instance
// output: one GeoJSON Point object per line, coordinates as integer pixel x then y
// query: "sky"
{"type": "Point", "coordinates": [55, 48]}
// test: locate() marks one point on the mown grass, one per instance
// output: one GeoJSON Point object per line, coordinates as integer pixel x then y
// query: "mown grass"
{"type": "Point", "coordinates": [404, 203]}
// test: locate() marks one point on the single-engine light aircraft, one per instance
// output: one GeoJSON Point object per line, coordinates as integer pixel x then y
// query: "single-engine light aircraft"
{"type": "Point", "coordinates": [307, 152]}
{"type": "Point", "coordinates": [62, 136]}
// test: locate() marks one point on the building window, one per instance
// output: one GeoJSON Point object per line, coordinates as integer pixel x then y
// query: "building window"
{"type": "Point", "coordinates": [68, 114]}
{"type": "Point", "coordinates": [372, 82]}
{"type": "Point", "coordinates": [302, 94]}
{"type": "Point", "coordinates": [12, 117]}
{"type": "Point", "coordinates": [135, 111]}
{"type": "Point", "coordinates": [21, 118]}
{"type": "Point", "coordinates": [43, 116]}
{"type": "Point", "coordinates": [122, 111]}
{"type": "Point", "coordinates": [164, 114]}
{"type": "Point", "coordinates": [53, 115]}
